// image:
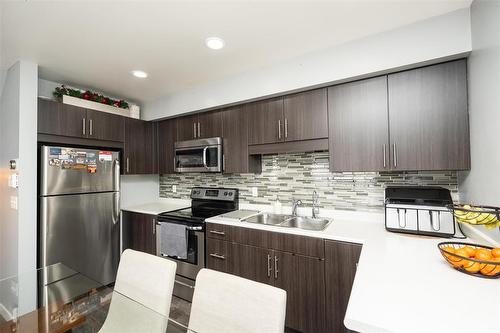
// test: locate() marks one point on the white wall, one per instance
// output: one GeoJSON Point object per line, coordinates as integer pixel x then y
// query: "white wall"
{"type": "Point", "coordinates": [18, 115]}
{"type": "Point", "coordinates": [482, 184]}
{"type": "Point", "coordinates": [139, 189]}
{"type": "Point", "coordinates": [439, 37]}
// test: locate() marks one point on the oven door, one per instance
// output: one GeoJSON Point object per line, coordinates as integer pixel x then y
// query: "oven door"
{"type": "Point", "coordinates": [195, 260]}
{"type": "Point", "coordinates": [198, 156]}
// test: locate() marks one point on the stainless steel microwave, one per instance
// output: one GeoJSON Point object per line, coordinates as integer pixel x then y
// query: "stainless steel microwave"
{"type": "Point", "coordinates": [202, 155]}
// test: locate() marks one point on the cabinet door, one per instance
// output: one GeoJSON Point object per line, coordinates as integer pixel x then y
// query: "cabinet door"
{"type": "Point", "coordinates": [235, 135]}
{"type": "Point", "coordinates": [209, 125]}
{"type": "Point", "coordinates": [428, 118]}
{"type": "Point", "coordinates": [139, 147]}
{"type": "Point", "coordinates": [218, 254]}
{"type": "Point", "coordinates": [61, 119]}
{"type": "Point", "coordinates": [265, 123]}
{"type": "Point", "coordinates": [251, 262]}
{"type": "Point", "coordinates": [187, 127]}
{"type": "Point", "coordinates": [306, 115]}
{"type": "Point", "coordinates": [139, 232]}
{"type": "Point", "coordinates": [303, 279]}
{"type": "Point", "coordinates": [340, 267]}
{"type": "Point", "coordinates": [359, 130]}
{"type": "Point", "coordinates": [105, 126]}
{"type": "Point", "coordinates": [166, 140]}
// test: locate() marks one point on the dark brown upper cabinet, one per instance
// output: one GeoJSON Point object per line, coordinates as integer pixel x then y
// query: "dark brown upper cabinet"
{"type": "Point", "coordinates": [235, 144]}
{"type": "Point", "coordinates": [105, 126]}
{"type": "Point", "coordinates": [139, 147]}
{"type": "Point", "coordinates": [428, 118]}
{"type": "Point", "coordinates": [67, 120]}
{"type": "Point", "coordinates": [187, 127]}
{"type": "Point", "coordinates": [358, 126]}
{"type": "Point", "coordinates": [166, 141]}
{"type": "Point", "coordinates": [265, 123]}
{"type": "Point", "coordinates": [296, 117]}
{"type": "Point", "coordinates": [199, 126]}
{"type": "Point", "coordinates": [341, 261]}
{"type": "Point", "coordinates": [61, 119]}
{"type": "Point", "coordinates": [306, 116]}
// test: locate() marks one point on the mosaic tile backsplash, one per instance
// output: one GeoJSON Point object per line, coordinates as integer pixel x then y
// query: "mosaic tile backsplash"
{"type": "Point", "coordinates": [298, 175]}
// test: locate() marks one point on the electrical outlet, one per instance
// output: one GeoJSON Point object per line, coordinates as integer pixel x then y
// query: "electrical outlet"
{"type": "Point", "coordinates": [174, 188]}
{"type": "Point", "coordinates": [255, 192]}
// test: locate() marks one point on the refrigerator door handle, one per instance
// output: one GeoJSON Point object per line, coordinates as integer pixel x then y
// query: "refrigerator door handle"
{"type": "Point", "coordinates": [116, 175]}
{"type": "Point", "coordinates": [116, 208]}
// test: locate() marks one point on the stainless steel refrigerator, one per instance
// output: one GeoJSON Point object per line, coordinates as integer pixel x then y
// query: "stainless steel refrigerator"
{"type": "Point", "coordinates": [80, 210]}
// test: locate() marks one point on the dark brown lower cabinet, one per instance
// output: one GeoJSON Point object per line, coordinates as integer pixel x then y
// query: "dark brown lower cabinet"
{"type": "Point", "coordinates": [139, 232]}
{"type": "Point", "coordinates": [340, 267]}
{"type": "Point", "coordinates": [302, 277]}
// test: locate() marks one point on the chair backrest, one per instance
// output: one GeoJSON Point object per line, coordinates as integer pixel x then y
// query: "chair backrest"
{"type": "Point", "coordinates": [227, 303]}
{"type": "Point", "coordinates": [147, 279]}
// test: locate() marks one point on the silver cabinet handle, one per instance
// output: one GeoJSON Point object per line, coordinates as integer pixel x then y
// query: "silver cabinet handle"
{"type": "Point", "coordinates": [223, 162]}
{"type": "Point", "coordinates": [276, 267]}
{"type": "Point", "coordinates": [154, 226]}
{"type": "Point", "coordinates": [128, 165]}
{"type": "Point", "coordinates": [218, 256]}
{"type": "Point", "coordinates": [286, 128]}
{"type": "Point", "coordinates": [384, 152]}
{"type": "Point", "coordinates": [217, 232]}
{"type": "Point", "coordinates": [279, 129]}
{"type": "Point", "coordinates": [269, 268]}
{"type": "Point", "coordinates": [194, 130]}
{"type": "Point", "coordinates": [84, 122]}
{"type": "Point", "coordinates": [395, 155]}
{"type": "Point", "coordinates": [199, 130]}
{"type": "Point", "coordinates": [91, 123]}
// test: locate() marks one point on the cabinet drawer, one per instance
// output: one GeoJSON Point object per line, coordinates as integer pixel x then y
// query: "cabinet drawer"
{"type": "Point", "coordinates": [218, 231]}
{"type": "Point", "coordinates": [308, 246]}
{"type": "Point", "coordinates": [218, 254]}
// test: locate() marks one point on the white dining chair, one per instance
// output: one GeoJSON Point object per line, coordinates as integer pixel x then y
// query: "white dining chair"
{"type": "Point", "coordinates": [142, 294]}
{"type": "Point", "coordinates": [228, 303]}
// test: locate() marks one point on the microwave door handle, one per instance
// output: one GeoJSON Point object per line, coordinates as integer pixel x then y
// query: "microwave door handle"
{"type": "Point", "coordinates": [205, 149]}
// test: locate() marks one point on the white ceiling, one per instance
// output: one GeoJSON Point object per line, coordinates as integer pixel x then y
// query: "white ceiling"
{"type": "Point", "coordinates": [97, 44]}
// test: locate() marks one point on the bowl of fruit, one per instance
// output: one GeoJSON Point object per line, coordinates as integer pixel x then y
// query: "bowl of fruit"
{"type": "Point", "coordinates": [488, 216]}
{"type": "Point", "coordinates": [473, 259]}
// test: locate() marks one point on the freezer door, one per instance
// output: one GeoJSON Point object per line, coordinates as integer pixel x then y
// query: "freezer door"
{"type": "Point", "coordinates": [82, 232]}
{"type": "Point", "coordinates": [74, 170]}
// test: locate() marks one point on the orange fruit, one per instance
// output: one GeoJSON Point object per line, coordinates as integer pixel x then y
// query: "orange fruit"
{"type": "Point", "coordinates": [474, 267]}
{"type": "Point", "coordinates": [483, 255]}
{"type": "Point", "coordinates": [496, 252]}
{"type": "Point", "coordinates": [449, 249]}
{"type": "Point", "coordinates": [462, 252]}
{"type": "Point", "coordinates": [456, 261]}
{"type": "Point", "coordinates": [491, 269]}
{"type": "Point", "coordinates": [483, 252]}
{"type": "Point", "coordinates": [470, 251]}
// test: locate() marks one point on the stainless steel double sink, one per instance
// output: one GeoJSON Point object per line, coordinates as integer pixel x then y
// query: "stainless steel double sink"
{"type": "Point", "coordinates": [289, 221]}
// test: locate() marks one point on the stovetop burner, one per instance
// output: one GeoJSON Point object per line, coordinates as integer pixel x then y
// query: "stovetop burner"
{"type": "Point", "coordinates": [205, 203]}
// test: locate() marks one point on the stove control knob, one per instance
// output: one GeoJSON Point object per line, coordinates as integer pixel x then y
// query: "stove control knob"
{"type": "Point", "coordinates": [230, 194]}
{"type": "Point", "coordinates": [225, 193]}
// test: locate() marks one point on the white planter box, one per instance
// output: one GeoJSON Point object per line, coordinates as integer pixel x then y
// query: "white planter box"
{"type": "Point", "coordinates": [83, 103]}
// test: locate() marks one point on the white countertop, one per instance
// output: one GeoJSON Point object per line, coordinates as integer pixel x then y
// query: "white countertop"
{"type": "Point", "coordinates": [402, 283]}
{"type": "Point", "coordinates": [159, 206]}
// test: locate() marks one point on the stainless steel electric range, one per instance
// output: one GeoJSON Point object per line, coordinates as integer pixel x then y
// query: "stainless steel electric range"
{"type": "Point", "coordinates": [205, 202]}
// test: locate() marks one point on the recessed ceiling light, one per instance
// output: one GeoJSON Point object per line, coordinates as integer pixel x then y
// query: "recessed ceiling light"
{"type": "Point", "coordinates": [215, 43]}
{"type": "Point", "coordinates": [139, 74]}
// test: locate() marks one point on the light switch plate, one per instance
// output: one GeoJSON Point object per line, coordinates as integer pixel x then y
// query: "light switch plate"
{"type": "Point", "coordinates": [174, 188]}
{"type": "Point", "coordinates": [13, 202]}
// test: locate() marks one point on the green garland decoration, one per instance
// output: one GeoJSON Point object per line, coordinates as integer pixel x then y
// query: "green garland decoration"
{"type": "Point", "coordinates": [90, 96]}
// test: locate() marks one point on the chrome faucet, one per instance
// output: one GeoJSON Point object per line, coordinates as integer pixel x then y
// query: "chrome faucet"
{"type": "Point", "coordinates": [295, 204]}
{"type": "Point", "coordinates": [315, 208]}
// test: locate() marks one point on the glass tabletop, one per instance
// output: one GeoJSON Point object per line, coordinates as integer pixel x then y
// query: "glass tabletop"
{"type": "Point", "coordinates": [57, 299]}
